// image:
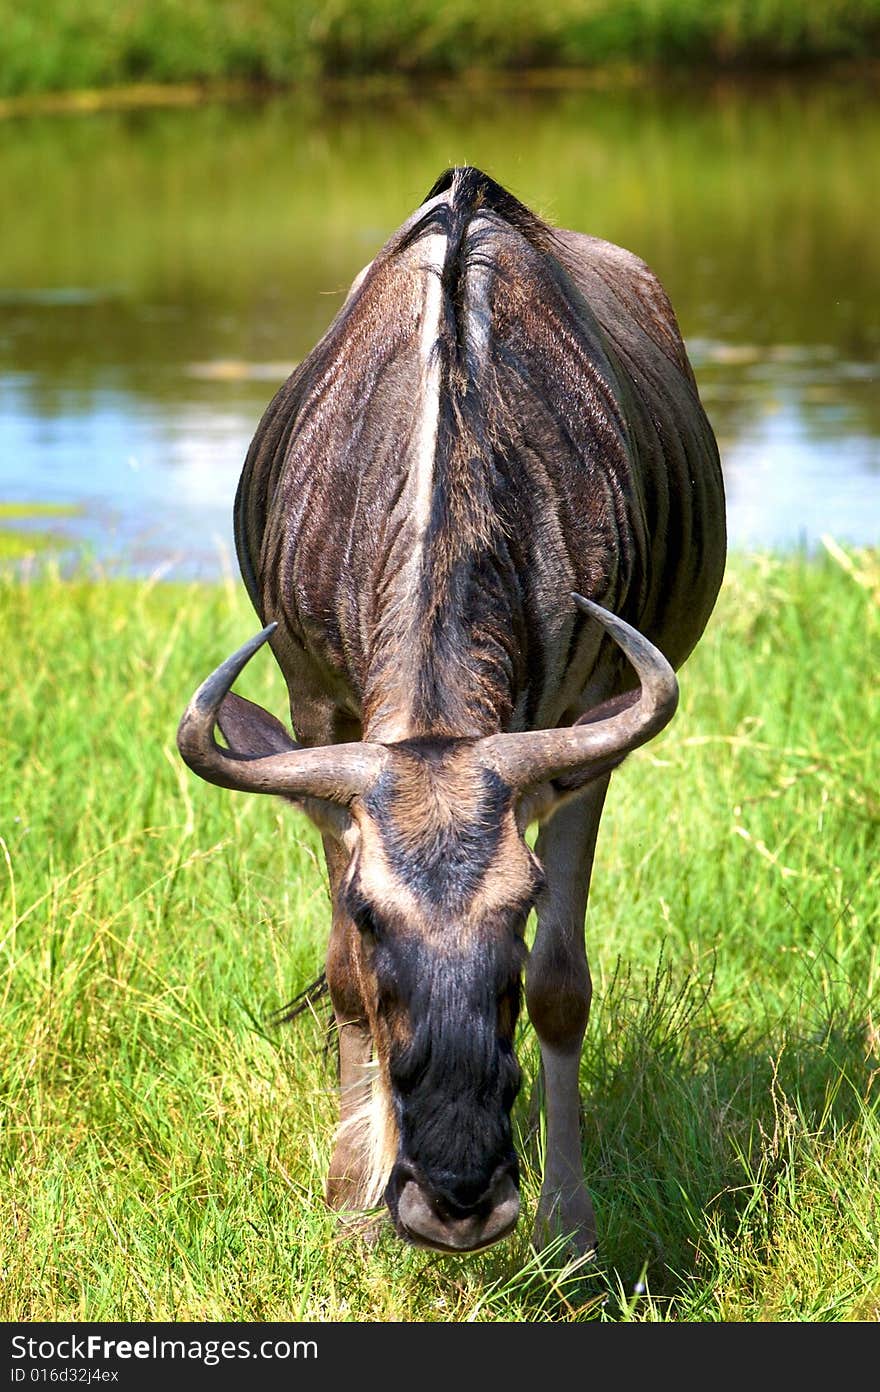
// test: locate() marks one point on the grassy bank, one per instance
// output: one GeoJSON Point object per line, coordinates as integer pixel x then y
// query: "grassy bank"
{"type": "Point", "coordinates": [20, 538]}
{"type": "Point", "coordinates": [163, 1149]}
{"type": "Point", "coordinates": [63, 45]}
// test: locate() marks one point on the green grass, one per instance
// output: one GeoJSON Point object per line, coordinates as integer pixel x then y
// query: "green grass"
{"type": "Point", "coordinates": [16, 543]}
{"type": "Point", "coordinates": [63, 45]}
{"type": "Point", "coordinates": [19, 510]}
{"type": "Point", "coordinates": [164, 1149]}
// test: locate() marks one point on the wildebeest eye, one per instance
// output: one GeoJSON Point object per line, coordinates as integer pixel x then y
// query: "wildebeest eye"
{"type": "Point", "coordinates": [367, 922]}
{"type": "Point", "coordinates": [360, 910]}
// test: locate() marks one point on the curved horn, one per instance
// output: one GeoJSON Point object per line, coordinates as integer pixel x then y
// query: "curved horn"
{"type": "Point", "coordinates": [536, 756]}
{"type": "Point", "coordinates": [335, 772]}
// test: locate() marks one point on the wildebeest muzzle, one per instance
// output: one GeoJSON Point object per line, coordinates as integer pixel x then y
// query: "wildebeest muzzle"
{"type": "Point", "coordinates": [462, 1218]}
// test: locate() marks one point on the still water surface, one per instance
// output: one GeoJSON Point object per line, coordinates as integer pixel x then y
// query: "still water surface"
{"type": "Point", "coordinates": [161, 272]}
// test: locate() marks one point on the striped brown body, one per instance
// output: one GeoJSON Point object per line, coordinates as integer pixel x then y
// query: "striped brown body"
{"type": "Point", "coordinates": [571, 454]}
{"type": "Point", "coordinates": [501, 414]}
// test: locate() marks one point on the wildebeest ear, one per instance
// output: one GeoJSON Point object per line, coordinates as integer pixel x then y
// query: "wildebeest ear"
{"type": "Point", "coordinates": [540, 804]}
{"type": "Point", "coordinates": [250, 730]}
{"type": "Point", "coordinates": [543, 802]}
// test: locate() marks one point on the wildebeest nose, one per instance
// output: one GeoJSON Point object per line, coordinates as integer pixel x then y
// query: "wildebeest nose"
{"type": "Point", "coordinates": [448, 1221]}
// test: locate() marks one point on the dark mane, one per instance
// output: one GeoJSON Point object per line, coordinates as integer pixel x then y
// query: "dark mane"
{"type": "Point", "coordinates": [474, 191]}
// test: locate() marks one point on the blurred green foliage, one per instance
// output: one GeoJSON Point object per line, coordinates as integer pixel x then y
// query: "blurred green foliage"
{"type": "Point", "coordinates": [64, 45]}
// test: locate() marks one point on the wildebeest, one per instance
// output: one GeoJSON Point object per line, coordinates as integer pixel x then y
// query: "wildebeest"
{"type": "Point", "coordinates": [499, 432]}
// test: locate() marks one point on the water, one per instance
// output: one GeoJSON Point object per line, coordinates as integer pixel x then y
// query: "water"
{"type": "Point", "coordinates": [161, 272]}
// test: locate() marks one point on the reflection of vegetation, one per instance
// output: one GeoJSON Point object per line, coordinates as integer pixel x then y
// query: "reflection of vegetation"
{"type": "Point", "coordinates": [95, 43]}
{"type": "Point", "coordinates": [750, 201]}
{"type": "Point", "coordinates": [229, 233]}
{"type": "Point", "coordinates": [165, 1147]}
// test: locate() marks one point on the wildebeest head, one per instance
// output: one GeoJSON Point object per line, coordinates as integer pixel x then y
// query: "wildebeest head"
{"type": "Point", "coordinates": [439, 883]}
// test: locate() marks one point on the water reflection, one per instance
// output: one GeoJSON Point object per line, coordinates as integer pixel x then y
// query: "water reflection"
{"type": "Point", "coordinates": [801, 456]}
{"type": "Point", "coordinates": [163, 270]}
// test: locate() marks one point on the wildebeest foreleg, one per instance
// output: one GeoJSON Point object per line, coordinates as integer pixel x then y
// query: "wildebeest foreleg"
{"type": "Point", "coordinates": [348, 1177]}
{"type": "Point", "coordinates": [558, 992]}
